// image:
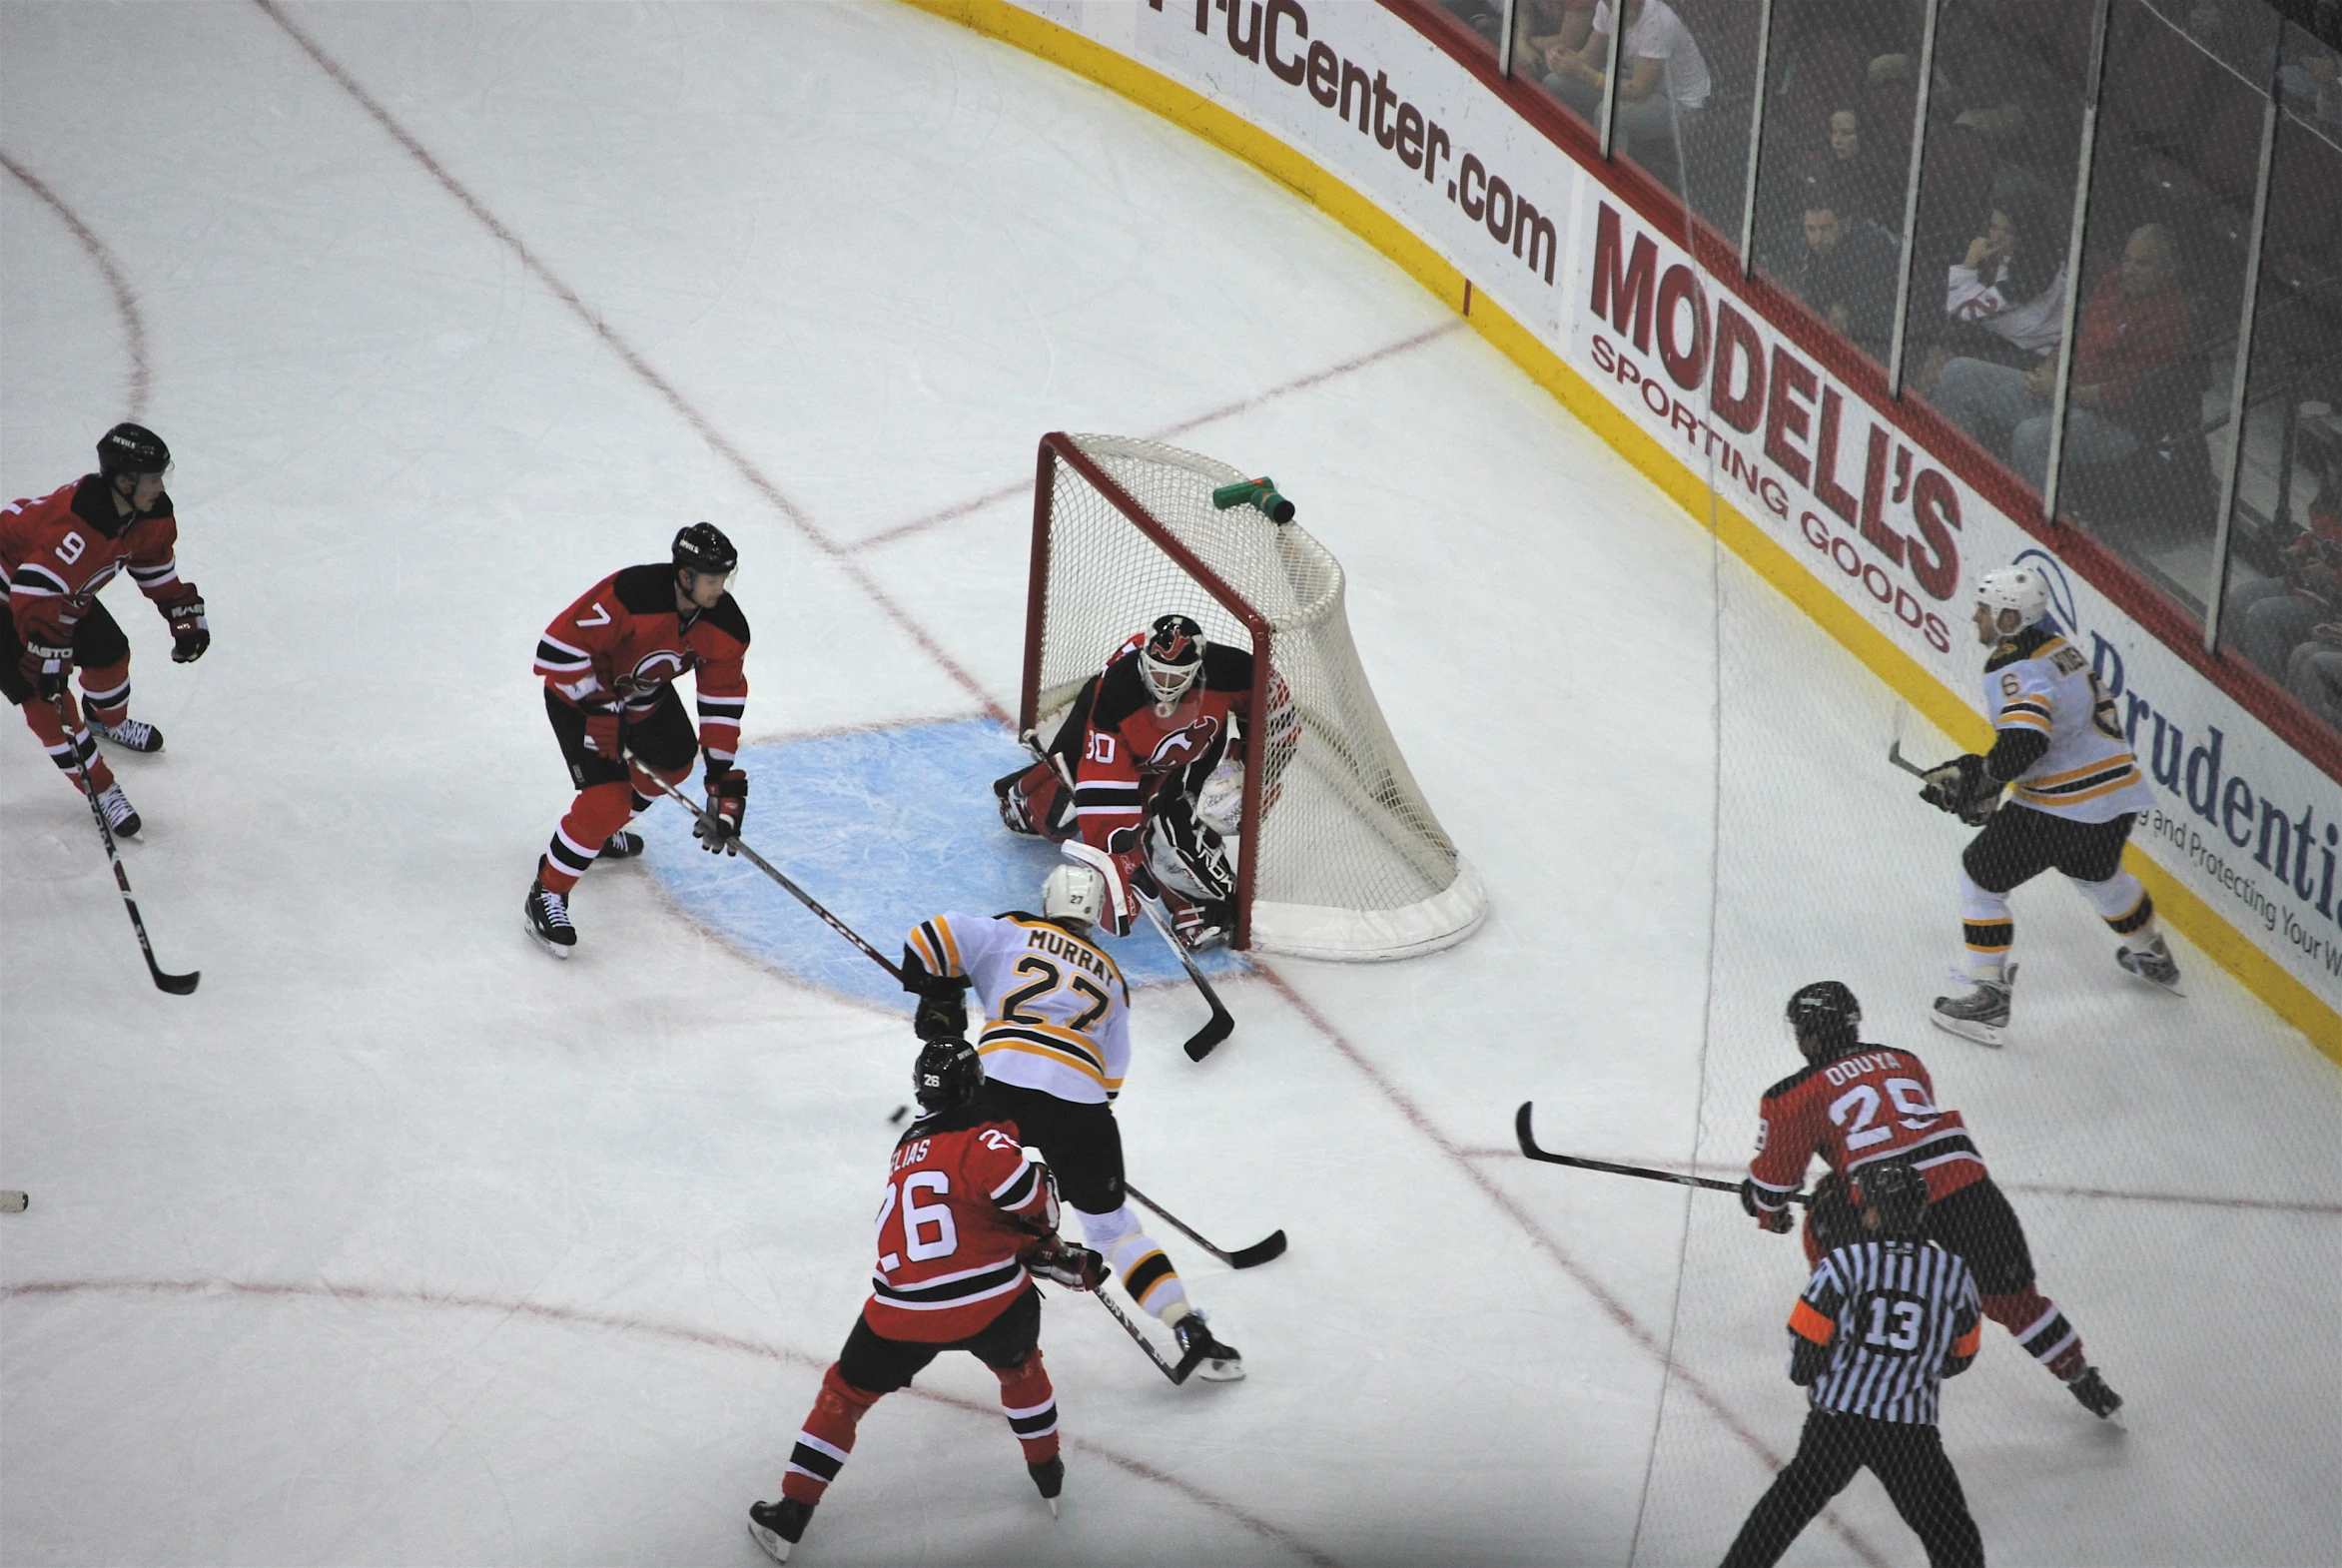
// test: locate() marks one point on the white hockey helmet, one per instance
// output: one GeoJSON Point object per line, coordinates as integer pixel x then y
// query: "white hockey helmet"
{"type": "Point", "coordinates": [2018, 588]}
{"type": "Point", "coordinates": [1073, 892]}
{"type": "Point", "coordinates": [1171, 657]}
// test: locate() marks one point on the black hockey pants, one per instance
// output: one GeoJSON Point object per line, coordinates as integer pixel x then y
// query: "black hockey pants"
{"type": "Point", "coordinates": [1907, 1458]}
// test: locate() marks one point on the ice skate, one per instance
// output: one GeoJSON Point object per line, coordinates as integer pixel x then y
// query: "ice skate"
{"type": "Point", "coordinates": [120, 817]}
{"type": "Point", "coordinates": [1220, 1362]}
{"type": "Point", "coordinates": [779, 1526]}
{"type": "Point", "coordinates": [621, 845]}
{"type": "Point", "coordinates": [1983, 1014]}
{"type": "Point", "coordinates": [1050, 1476]}
{"type": "Point", "coordinates": [129, 734]}
{"type": "Point", "coordinates": [2153, 964]}
{"type": "Point", "coordinates": [2087, 1387]}
{"type": "Point", "coordinates": [548, 914]}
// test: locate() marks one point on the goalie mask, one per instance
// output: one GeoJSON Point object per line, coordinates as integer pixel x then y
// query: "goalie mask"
{"type": "Point", "coordinates": [1172, 658]}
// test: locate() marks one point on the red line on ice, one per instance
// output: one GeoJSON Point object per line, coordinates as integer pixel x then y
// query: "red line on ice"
{"type": "Point", "coordinates": [134, 327]}
{"type": "Point", "coordinates": [741, 464]}
{"type": "Point", "coordinates": [573, 1317]}
{"type": "Point", "coordinates": [954, 512]}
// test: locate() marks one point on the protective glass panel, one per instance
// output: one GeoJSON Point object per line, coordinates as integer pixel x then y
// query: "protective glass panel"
{"type": "Point", "coordinates": [1550, 43]}
{"type": "Point", "coordinates": [1484, 19]}
{"type": "Point", "coordinates": [2282, 609]}
{"type": "Point", "coordinates": [2170, 232]}
{"type": "Point", "coordinates": [1995, 219]}
{"type": "Point", "coordinates": [1835, 157]}
{"type": "Point", "coordinates": [1686, 76]}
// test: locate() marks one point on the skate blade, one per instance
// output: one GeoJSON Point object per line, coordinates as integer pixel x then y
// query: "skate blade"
{"type": "Point", "coordinates": [2170, 990]}
{"type": "Point", "coordinates": [1052, 1506]}
{"type": "Point", "coordinates": [1982, 1033]}
{"type": "Point", "coordinates": [1221, 1371]}
{"type": "Point", "coordinates": [774, 1546]}
{"type": "Point", "coordinates": [543, 941]}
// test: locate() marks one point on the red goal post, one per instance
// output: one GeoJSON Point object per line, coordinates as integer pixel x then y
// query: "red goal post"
{"type": "Point", "coordinates": [1339, 856]}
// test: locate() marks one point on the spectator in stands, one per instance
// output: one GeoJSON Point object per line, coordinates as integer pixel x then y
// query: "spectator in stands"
{"type": "Point", "coordinates": [1482, 16]}
{"type": "Point", "coordinates": [1849, 271]}
{"type": "Point", "coordinates": [1851, 162]}
{"type": "Point", "coordinates": [2268, 618]}
{"type": "Point", "coordinates": [2132, 371]}
{"type": "Point", "coordinates": [2314, 675]}
{"type": "Point", "coordinates": [1663, 81]}
{"type": "Point", "coordinates": [1548, 32]}
{"type": "Point", "coordinates": [2005, 302]}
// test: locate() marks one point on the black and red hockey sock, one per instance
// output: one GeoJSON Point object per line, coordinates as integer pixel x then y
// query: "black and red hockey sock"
{"type": "Point", "coordinates": [1031, 1405]}
{"type": "Point", "coordinates": [2036, 1323]}
{"type": "Point", "coordinates": [827, 1438]}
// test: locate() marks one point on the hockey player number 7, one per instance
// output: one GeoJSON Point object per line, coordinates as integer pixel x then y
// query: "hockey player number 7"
{"type": "Point", "coordinates": [916, 1216]}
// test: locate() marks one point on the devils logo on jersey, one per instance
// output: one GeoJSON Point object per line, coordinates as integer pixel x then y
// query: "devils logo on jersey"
{"type": "Point", "coordinates": [1185, 745]}
{"type": "Point", "coordinates": [653, 670]}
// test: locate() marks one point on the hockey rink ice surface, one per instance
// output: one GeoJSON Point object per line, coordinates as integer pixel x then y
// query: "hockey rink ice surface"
{"type": "Point", "coordinates": [399, 1243]}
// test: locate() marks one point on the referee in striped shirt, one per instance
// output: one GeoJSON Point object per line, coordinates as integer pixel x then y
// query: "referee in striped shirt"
{"type": "Point", "coordinates": [1881, 1325]}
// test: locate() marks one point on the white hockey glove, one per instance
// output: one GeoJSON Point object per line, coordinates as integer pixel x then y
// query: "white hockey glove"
{"type": "Point", "coordinates": [1219, 804]}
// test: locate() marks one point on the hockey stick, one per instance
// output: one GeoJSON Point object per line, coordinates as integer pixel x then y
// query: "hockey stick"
{"type": "Point", "coordinates": [1520, 1126]}
{"type": "Point", "coordinates": [1262, 1251]}
{"type": "Point", "coordinates": [1178, 1374]}
{"type": "Point", "coordinates": [1221, 1024]}
{"type": "Point", "coordinates": [1896, 756]}
{"type": "Point", "coordinates": [767, 867]}
{"type": "Point", "coordinates": [176, 985]}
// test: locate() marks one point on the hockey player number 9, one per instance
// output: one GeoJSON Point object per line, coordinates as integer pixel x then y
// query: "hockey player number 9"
{"type": "Point", "coordinates": [917, 1215]}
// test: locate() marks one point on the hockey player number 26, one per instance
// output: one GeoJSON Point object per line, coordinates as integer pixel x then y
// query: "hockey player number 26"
{"type": "Point", "coordinates": [917, 1216]}
{"type": "Point", "coordinates": [1860, 1106]}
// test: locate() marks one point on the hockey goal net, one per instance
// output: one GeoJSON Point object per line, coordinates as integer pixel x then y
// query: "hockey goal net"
{"type": "Point", "coordinates": [1345, 859]}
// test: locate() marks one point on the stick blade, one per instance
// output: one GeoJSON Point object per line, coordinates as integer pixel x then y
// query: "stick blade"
{"type": "Point", "coordinates": [1186, 1367]}
{"type": "Point", "coordinates": [178, 984]}
{"type": "Point", "coordinates": [1520, 1130]}
{"type": "Point", "coordinates": [1266, 1250]}
{"type": "Point", "coordinates": [1206, 1040]}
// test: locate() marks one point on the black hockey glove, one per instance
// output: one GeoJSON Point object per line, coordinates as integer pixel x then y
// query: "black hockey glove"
{"type": "Point", "coordinates": [1778, 1220]}
{"type": "Point", "coordinates": [727, 804]}
{"type": "Point", "coordinates": [1068, 1263]}
{"type": "Point", "coordinates": [943, 1010]}
{"type": "Point", "coordinates": [46, 670]}
{"type": "Point", "coordinates": [1962, 787]}
{"type": "Point", "coordinates": [190, 634]}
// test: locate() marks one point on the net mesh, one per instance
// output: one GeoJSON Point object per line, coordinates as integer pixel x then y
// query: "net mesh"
{"type": "Point", "coordinates": [1352, 863]}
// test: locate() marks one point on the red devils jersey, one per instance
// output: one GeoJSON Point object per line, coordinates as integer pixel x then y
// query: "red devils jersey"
{"type": "Point", "coordinates": [1132, 748]}
{"type": "Point", "coordinates": [962, 1206]}
{"type": "Point", "coordinates": [1870, 1104]}
{"type": "Point", "coordinates": [61, 549]}
{"type": "Point", "coordinates": [624, 643]}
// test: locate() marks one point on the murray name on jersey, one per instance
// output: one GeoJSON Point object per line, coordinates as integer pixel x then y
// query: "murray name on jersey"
{"type": "Point", "coordinates": [1059, 1009]}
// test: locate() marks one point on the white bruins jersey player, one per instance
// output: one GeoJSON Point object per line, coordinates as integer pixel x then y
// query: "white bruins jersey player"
{"type": "Point", "coordinates": [2075, 791]}
{"type": "Point", "coordinates": [1055, 1045]}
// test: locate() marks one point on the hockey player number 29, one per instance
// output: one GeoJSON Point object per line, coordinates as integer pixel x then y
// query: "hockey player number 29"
{"type": "Point", "coordinates": [917, 1216]}
{"type": "Point", "coordinates": [1860, 1106]}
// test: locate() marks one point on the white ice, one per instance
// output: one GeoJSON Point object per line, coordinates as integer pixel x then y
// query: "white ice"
{"type": "Point", "coordinates": [400, 1243]}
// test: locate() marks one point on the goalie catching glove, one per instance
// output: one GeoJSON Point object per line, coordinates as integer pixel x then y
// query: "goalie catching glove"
{"type": "Point", "coordinates": [1219, 804]}
{"type": "Point", "coordinates": [1964, 787]}
{"type": "Point", "coordinates": [727, 803]}
{"type": "Point", "coordinates": [1068, 1263]}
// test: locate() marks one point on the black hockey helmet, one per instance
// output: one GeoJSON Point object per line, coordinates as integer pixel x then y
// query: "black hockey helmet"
{"type": "Point", "coordinates": [1173, 656]}
{"type": "Point", "coordinates": [703, 547]}
{"type": "Point", "coordinates": [946, 1075]}
{"type": "Point", "coordinates": [131, 448]}
{"type": "Point", "coordinates": [1898, 1194]}
{"type": "Point", "coordinates": [1824, 1019]}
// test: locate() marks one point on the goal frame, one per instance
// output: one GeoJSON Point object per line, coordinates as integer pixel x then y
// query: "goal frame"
{"type": "Point", "coordinates": [1056, 446]}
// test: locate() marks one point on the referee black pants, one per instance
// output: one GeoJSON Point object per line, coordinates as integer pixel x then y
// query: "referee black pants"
{"type": "Point", "coordinates": [1907, 1458]}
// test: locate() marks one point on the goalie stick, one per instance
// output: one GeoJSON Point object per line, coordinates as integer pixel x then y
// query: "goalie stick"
{"type": "Point", "coordinates": [176, 985]}
{"type": "Point", "coordinates": [1520, 1126]}
{"type": "Point", "coordinates": [1264, 1250]}
{"type": "Point", "coordinates": [1221, 1023]}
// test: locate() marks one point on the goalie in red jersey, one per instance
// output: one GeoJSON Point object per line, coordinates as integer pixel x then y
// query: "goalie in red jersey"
{"type": "Point", "coordinates": [1156, 746]}
{"type": "Point", "coordinates": [610, 662]}
{"type": "Point", "coordinates": [1863, 1108]}
{"type": "Point", "coordinates": [57, 551]}
{"type": "Point", "coordinates": [964, 1224]}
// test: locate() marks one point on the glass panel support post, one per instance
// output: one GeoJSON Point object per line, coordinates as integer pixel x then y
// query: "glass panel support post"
{"type": "Point", "coordinates": [1911, 198]}
{"type": "Point", "coordinates": [1748, 197]}
{"type": "Point", "coordinates": [1609, 74]}
{"type": "Point", "coordinates": [2244, 325]}
{"type": "Point", "coordinates": [1505, 39]}
{"type": "Point", "coordinates": [2094, 91]}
